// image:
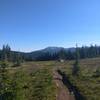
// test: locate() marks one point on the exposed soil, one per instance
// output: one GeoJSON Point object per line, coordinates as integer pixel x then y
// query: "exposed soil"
{"type": "Point", "coordinates": [63, 92]}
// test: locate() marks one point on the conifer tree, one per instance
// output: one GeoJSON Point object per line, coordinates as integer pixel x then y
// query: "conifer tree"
{"type": "Point", "coordinates": [18, 59]}
{"type": "Point", "coordinates": [76, 68]}
{"type": "Point", "coordinates": [6, 53]}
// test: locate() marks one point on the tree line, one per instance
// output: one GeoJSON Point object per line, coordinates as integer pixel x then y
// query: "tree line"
{"type": "Point", "coordinates": [16, 57]}
{"type": "Point", "coordinates": [84, 52]}
{"type": "Point", "coordinates": [7, 55]}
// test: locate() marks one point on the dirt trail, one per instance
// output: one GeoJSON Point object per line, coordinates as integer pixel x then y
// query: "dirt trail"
{"type": "Point", "coordinates": [63, 92]}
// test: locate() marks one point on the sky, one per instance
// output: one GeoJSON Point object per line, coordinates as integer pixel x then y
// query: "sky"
{"type": "Point", "coordinates": [28, 25]}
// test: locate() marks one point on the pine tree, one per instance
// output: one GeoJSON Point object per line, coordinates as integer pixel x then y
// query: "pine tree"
{"type": "Point", "coordinates": [18, 59]}
{"type": "Point", "coordinates": [76, 67]}
{"type": "Point", "coordinates": [6, 53]}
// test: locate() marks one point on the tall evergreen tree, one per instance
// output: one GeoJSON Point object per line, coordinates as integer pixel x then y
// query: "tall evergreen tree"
{"type": "Point", "coordinates": [76, 68]}
{"type": "Point", "coordinates": [18, 59]}
{"type": "Point", "coordinates": [6, 53]}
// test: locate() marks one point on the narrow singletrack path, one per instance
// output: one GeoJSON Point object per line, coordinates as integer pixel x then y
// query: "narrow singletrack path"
{"type": "Point", "coordinates": [63, 92]}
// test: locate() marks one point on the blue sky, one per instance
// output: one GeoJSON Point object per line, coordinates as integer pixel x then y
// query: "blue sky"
{"type": "Point", "coordinates": [28, 25]}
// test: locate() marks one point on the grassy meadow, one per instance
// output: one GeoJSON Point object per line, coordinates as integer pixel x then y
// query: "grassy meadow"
{"type": "Point", "coordinates": [30, 81]}
{"type": "Point", "coordinates": [34, 80]}
{"type": "Point", "coordinates": [87, 83]}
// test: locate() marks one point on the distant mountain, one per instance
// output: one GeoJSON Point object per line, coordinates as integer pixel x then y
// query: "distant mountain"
{"type": "Point", "coordinates": [57, 49]}
{"type": "Point", "coordinates": [51, 50]}
{"type": "Point", "coordinates": [71, 49]}
{"type": "Point", "coordinates": [35, 54]}
{"type": "Point", "coordinates": [38, 53]}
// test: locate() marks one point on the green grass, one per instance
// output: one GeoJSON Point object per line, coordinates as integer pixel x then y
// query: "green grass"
{"type": "Point", "coordinates": [43, 85]}
{"type": "Point", "coordinates": [32, 81]}
{"type": "Point", "coordinates": [88, 85]}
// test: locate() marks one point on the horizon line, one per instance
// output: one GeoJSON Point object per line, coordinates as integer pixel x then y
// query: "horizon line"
{"type": "Point", "coordinates": [29, 51]}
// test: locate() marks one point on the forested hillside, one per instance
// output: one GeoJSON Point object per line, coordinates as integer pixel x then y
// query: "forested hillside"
{"type": "Point", "coordinates": [51, 53]}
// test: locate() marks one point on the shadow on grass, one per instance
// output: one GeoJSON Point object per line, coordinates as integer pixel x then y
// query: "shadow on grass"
{"type": "Point", "coordinates": [71, 87]}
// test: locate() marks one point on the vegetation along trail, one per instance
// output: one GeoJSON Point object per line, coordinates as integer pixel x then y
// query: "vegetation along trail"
{"type": "Point", "coordinates": [63, 92]}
